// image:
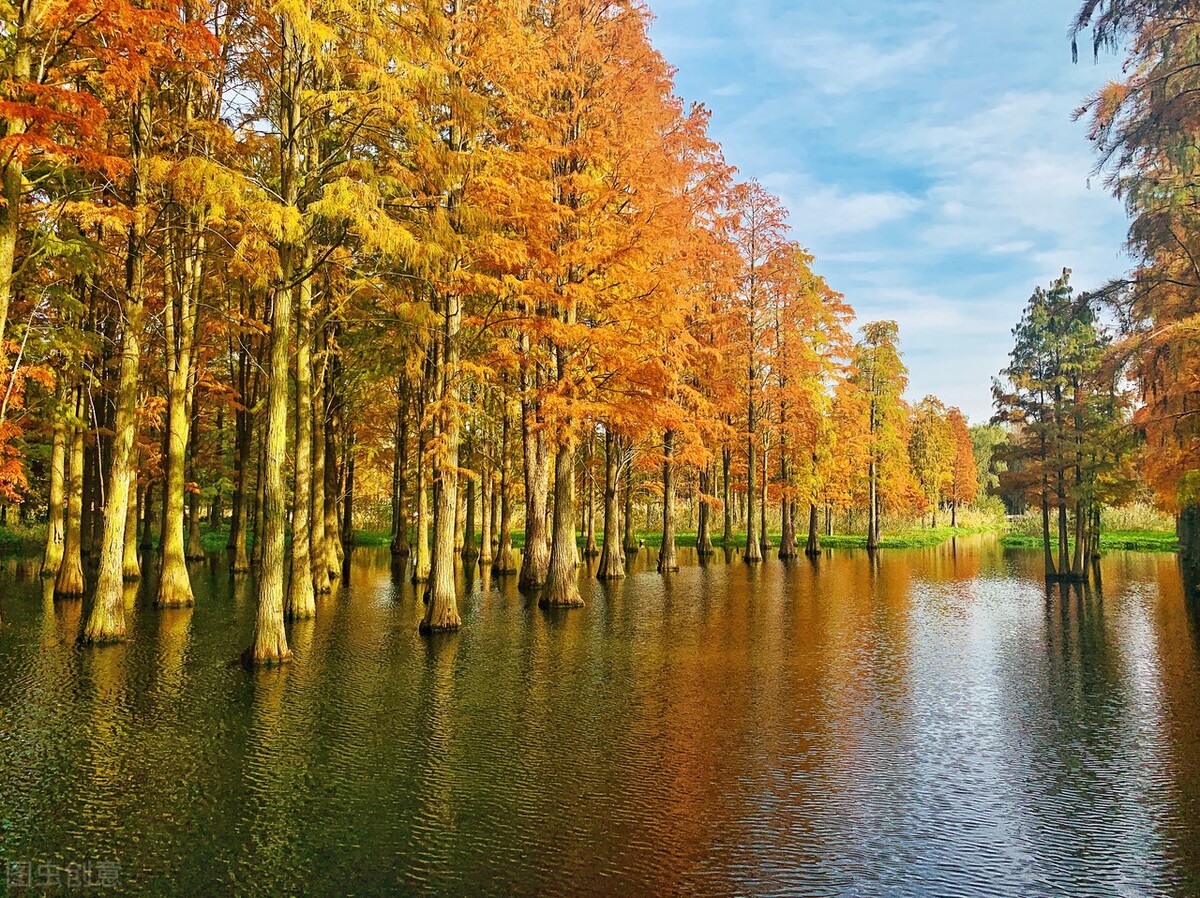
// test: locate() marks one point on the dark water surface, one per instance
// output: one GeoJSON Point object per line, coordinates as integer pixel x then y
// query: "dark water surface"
{"type": "Point", "coordinates": [928, 724]}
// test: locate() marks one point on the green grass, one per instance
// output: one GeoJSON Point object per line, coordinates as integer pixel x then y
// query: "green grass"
{"type": "Point", "coordinates": [1111, 541]}
{"type": "Point", "coordinates": [903, 539]}
{"type": "Point", "coordinates": [20, 538]}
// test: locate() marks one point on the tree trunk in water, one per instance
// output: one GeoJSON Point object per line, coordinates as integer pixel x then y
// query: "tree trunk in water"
{"type": "Point", "coordinates": [195, 545]}
{"type": "Point", "coordinates": [487, 487]}
{"type": "Point", "coordinates": [259, 498]}
{"type": "Point", "coordinates": [318, 552]}
{"type": "Point", "coordinates": [174, 583]}
{"type": "Point", "coordinates": [269, 645]}
{"type": "Point", "coordinates": [787, 527]}
{"type": "Point", "coordinates": [423, 560]}
{"type": "Point", "coordinates": [813, 547]}
{"type": "Point", "coordinates": [470, 552]}
{"type": "Point", "coordinates": [1077, 563]}
{"type": "Point", "coordinates": [333, 542]}
{"type": "Point", "coordinates": [400, 544]}
{"type": "Point", "coordinates": [1048, 552]}
{"type": "Point", "coordinates": [704, 544]}
{"type": "Point", "coordinates": [300, 601]}
{"type": "Point", "coordinates": [668, 559]}
{"type": "Point", "coordinates": [347, 541]}
{"type": "Point", "coordinates": [535, 561]}
{"type": "Point", "coordinates": [147, 538]}
{"type": "Point", "coordinates": [69, 582]}
{"type": "Point", "coordinates": [629, 542]}
{"type": "Point", "coordinates": [52, 557]}
{"type": "Point", "coordinates": [590, 549]}
{"type": "Point", "coordinates": [727, 496]}
{"type": "Point", "coordinates": [106, 622]}
{"type": "Point", "coordinates": [441, 608]}
{"type": "Point", "coordinates": [505, 561]}
{"type": "Point", "coordinates": [612, 557]}
{"type": "Point", "coordinates": [131, 568]}
{"type": "Point", "coordinates": [1188, 528]}
{"type": "Point", "coordinates": [562, 579]}
{"type": "Point", "coordinates": [873, 509]}
{"type": "Point", "coordinates": [753, 553]}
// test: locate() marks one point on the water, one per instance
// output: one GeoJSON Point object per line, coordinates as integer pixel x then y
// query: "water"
{"type": "Point", "coordinates": [930, 724]}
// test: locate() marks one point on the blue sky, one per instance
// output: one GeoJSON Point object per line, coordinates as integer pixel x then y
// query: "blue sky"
{"type": "Point", "coordinates": [926, 152]}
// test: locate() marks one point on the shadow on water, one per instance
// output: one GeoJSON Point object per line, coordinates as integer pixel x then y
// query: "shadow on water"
{"type": "Point", "coordinates": [919, 722]}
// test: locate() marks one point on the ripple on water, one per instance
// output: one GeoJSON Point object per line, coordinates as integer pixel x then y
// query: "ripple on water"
{"type": "Point", "coordinates": [929, 724]}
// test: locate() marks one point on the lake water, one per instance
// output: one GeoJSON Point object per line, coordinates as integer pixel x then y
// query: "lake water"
{"type": "Point", "coordinates": [930, 723]}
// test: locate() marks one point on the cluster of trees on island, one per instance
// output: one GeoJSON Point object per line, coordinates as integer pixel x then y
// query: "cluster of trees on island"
{"type": "Point", "coordinates": [251, 253]}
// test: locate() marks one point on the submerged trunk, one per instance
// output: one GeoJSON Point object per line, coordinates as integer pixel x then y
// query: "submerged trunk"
{"type": "Point", "coordinates": [813, 546]}
{"type": "Point", "coordinates": [753, 553]}
{"type": "Point", "coordinates": [400, 544]}
{"type": "Point", "coordinates": [421, 560]}
{"type": "Point", "coordinates": [704, 544]}
{"type": "Point", "coordinates": [470, 552]}
{"type": "Point", "coordinates": [505, 561]}
{"type": "Point", "coordinates": [106, 622]}
{"type": "Point", "coordinates": [612, 558]}
{"type": "Point", "coordinates": [441, 609]}
{"type": "Point", "coordinates": [195, 544]}
{"type": "Point", "coordinates": [727, 496]}
{"type": "Point", "coordinates": [630, 543]}
{"type": "Point", "coordinates": [485, 517]}
{"type": "Point", "coordinates": [174, 584]}
{"type": "Point", "coordinates": [318, 552]}
{"type": "Point", "coordinates": [333, 542]}
{"type": "Point", "coordinates": [667, 557]}
{"type": "Point", "coordinates": [300, 601]}
{"type": "Point", "coordinates": [562, 579]}
{"type": "Point", "coordinates": [872, 510]}
{"type": "Point", "coordinates": [1047, 550]}
{"type": "Point", "coordinates": [1188, 528]}
{"type": "Point", "coordinates": [590, 549]}
{"type": "Point", "coordinates": [53, 555]}
{"type": "Point", "coordinates": [535, 561]}
{"type": "Point", "coordinates": [131, 568]}
{"type": "Point", "coordinates": [269, 645]}
{"type": "Point", "coordinates": [69, 582]}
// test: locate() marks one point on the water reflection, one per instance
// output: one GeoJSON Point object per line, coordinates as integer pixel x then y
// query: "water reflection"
{"type": "Point", "coordinates": [927, 722]}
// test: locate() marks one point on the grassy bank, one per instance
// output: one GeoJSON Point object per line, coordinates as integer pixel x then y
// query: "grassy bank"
{"type": "Point", "coordinates": [917, 538]}
{"type": "Point", "coordinates": [1110, 541]}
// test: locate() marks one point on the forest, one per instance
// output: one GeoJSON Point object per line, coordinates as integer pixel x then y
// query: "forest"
{"type": "Point", "coordinates": [473, 269]}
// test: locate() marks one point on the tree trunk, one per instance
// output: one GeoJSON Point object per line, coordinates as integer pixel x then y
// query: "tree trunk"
{"type": "Point", "coordinates": [69, 582]}
{"type": "Point", "coordinates": [318, 550]}
{"type": "Point", "coordinates": [562, 580]}
{"type": "Point", "coordinates": [1048, 552]}
{"type": "Point", "coordinates": [535, 560]}
{"type": "Point", "coordinates": [668, 559]}
{"type": "Point", "coordinates": [487, 488]}
{"type": "Point", "coordinates": [1188, 528]}
{"type": "Point", "coordinates": [727, 496]}
{"type": "Point", "coordinates": [195, 544]}
{"type": "Point", "coordinates": [348, 538]}
{"type": "Point", "coordinates": [813, 547]}
{"type": "Point", "coordinates": [400, 544]}
{"type": "Point", "coordinates": [470, 552]}
{"type": "Point", "coordinates": [53, 556]}
{"type": "Point", "coordinates": [106, 622]}
{"type": "Point", "coordinates": [174, 583]}
{"type": "Point", "coordinates": [269, 645]}
{"type": "Point", "coordinates": [753, 553]}
{"type": "Point", "coordinates": [300, 601]}
{"type": "Point", "coordinates": [873, 509]}
{"type": "Point", "coordinates": [441, 608]}
{"type": "Point", "coordinates": [612, 557]}
{"type": "Point", "coordinates": [704, 544]}
{"type": "Point", "coordinates": [333, 543]}
{"type": "Point", "coordinates": [505, 561]}
{"type": "Point", "coordinates": [131, 568]}
{"type": "Point", "coordinates": [629, 542]}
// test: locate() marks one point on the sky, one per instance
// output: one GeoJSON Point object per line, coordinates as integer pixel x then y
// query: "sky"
{"type": "Point", "coordinates": [926, 152]}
